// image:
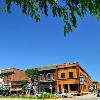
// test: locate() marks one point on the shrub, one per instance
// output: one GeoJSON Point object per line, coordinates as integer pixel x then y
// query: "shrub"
{"type": "Point", "coordinates": [46, 95]}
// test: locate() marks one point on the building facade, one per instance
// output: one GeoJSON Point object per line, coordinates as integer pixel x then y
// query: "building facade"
{"type": "Point", "coordinates": [96, 86]}
{"type": "Point", "coordinates": [12, 78]}
{"type": "Point", "coordinates": [65, 78]}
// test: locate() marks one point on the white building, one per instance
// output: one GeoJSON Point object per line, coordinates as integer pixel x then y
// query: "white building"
{"type": "Point", "coordinates": [1, 82]}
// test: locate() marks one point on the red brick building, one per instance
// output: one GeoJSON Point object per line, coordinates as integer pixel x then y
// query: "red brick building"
{"type": "Point", "coordinates": [14, 78]}
{"type": "Point", "coordinates": [68, 77]}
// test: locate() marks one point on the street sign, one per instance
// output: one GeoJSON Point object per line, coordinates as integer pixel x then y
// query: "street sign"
{"type": "Point", "coordinates": [81, 80]}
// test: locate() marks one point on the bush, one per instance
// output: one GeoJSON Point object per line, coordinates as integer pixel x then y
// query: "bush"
{"type": "Point", "coordinates": [46, 95]}
{"type": "Point", "coordinates": [43, 95]}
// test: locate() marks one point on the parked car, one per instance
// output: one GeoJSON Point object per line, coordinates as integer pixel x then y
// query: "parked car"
{"type": "Point", "coordinates": [61, 95]}
{"type": "Point", "coordinates": [98, 93]}
{"type": "Point", "coordinates": [38, 94]}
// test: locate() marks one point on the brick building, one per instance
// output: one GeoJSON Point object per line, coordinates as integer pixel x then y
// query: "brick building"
{"type": "Point", "coordinates": [96, 86]}
{"type": "Point", "coordinates": [12, 78]}
{"type": "Point", "coordinates": [68, 77]}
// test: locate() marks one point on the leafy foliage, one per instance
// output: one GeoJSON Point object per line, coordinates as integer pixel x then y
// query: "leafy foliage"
{"type": "Point", "coordinates": [95, 82]}
{"type": "Point", "coordinates": [68, 10]}
{"type": "Point", "coordinates": [24, 84]}
{"type": "Point", "coordinates": [32, 73]}
{"type": "Point", "coordinates": [46, 95]}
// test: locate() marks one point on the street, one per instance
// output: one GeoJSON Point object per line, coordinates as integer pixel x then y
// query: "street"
{"type": "Point", "coordinates": [83, 98]}
{"type": "Point", "coordinates": [87, 97]}
{"type": "Point", "coordinates": [74, 98]}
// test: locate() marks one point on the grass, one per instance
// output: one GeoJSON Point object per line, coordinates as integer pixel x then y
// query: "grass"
{"type": "Point", "coordinates": [45, 95]}
{"type": "Point", "coordinates": [22, 97]}
{"type": "Point", "coordinates": [26, 99]}
{"type": "Point", "coordinates": [17, 99]}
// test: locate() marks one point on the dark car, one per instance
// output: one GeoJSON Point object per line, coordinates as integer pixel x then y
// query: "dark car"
{"type": "Point", "coordinates": [98, 93]}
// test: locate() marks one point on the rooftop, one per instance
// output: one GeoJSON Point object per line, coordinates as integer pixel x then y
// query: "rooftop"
{"type": "Point", "coordinates": [51, 67]}
{"type": "Point", "coordinates": [47, 68]}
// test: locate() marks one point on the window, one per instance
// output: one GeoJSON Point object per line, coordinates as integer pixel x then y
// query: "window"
{"type": "Point", "coordinates": [40, 77]}
{"type": "Point", "coordinates": [74, 87]}
{"type": "Point", "coordinates": [45, 77]}
{"type": "Point", "coordinates": [71, 75]}
{"type": "Point", "coordinates": [63, 75]}
{"type": "Point", "coordinates": [49, 76]}
{"type": "Point", "coordinates": [53, 76]}
{"type": "Point", "coordinates": [59, 88]}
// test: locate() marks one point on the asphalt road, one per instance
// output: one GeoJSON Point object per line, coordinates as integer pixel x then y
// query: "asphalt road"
{"type": "Point", "coordinates": [82, 98]}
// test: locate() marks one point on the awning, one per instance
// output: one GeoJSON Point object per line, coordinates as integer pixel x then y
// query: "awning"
{"type": "Point", "coordinates": [16, 89]}
{"type": "Point", "coordinates": [47, 85]}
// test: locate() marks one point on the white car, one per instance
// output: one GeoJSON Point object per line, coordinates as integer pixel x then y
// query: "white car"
{"type": "Point", "coordinates": [38, 94]}
{"type": "Point", "coordinates": [61, 95]}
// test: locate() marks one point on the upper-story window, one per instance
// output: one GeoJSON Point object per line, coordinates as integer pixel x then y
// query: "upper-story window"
{"type": "Point", "coordinates": [49, 76]}
{"type": "Point", "coordinates": [40, 77]}
{"type": "Point", "coordinates": [71, 75]}
{"type": "Point", "coordinates": [45, 76]}
{"type": "Point", "coordinates": [62, 75]}
{"type": "Point", "coordinates": [53, 76]}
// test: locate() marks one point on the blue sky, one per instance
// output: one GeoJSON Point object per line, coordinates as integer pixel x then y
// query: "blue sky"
{"type": "Point", "coordinates": [26, 44]}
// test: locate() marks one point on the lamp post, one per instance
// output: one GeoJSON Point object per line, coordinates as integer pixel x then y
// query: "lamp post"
{"type": "Point", "coordinates": [51, 88]}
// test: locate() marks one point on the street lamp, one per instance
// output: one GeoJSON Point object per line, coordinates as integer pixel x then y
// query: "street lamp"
{"type": "Point", "coordinates": [51, 88]}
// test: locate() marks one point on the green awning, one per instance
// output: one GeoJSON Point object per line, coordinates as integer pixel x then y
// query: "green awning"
{"type": "Point", "coordinates": [47, 85]}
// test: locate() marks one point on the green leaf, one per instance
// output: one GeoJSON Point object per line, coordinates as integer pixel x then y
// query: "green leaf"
{"type": "Point", "coordinates": [67, 10]}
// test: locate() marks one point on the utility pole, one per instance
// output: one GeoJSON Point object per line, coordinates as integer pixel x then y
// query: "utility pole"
{"type": "Point", "coordinates": [43, 95]}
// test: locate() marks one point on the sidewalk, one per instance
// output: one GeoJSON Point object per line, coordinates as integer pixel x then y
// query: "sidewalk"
{"type": "Point", "coordinates": [87, 96]}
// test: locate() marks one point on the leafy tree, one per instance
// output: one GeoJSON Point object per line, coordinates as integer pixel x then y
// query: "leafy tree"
{"type": "Point", "coordinates": [32, 73]}
{"type": "Point", "coordinates": [95, 82]}
{"type": "Point", "coordinates": [24, 84]}
{"type": "Point", "coordinates": [68, 10]}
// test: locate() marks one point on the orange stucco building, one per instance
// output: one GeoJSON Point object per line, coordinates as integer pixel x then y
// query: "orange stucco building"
{"type": "Point", "coordinates": [68, 77]}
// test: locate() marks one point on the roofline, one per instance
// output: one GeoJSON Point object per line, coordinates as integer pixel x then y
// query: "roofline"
{"type": "Point", "coordinates": [11, 68]}
{"type": "Point", "coordinates": [47, 68]}
{"type": "Point", "coordinates": [85, 71]}
{"type": "Point", "coordinates": [70, 65]}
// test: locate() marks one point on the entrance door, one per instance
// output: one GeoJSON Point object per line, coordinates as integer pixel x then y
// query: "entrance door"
{"type": "Point", "coordinates": [74, 87]}
{"type": "Point", "coordinates": [65, 88]}
{"type": "Point", "coordinates": [59, 88]}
